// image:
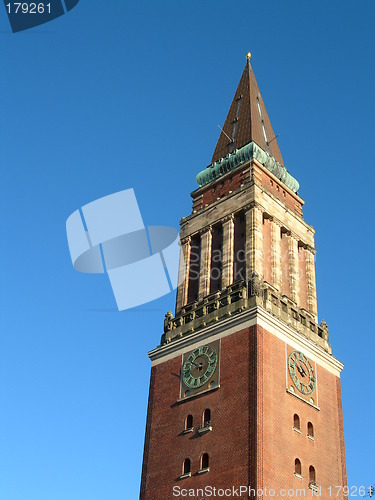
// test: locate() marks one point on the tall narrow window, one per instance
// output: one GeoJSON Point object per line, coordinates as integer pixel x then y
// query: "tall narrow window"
{"type": "Point", "coordinates": [204, 461]}
{"type": "Point", "coordinates": [296, 422]}
{"type": "Point", "coordinates": [312, 475]}
{"type": "Point", "coordinates": [216, 259]}
{"type": "Point", "coordinates": [297, 467]}
{"type": "Point", "coordinates": [186, 466]}
{"type": "Point", "coordinates": [206, 417]}
{"type": "Point", "coordinates": [310, 429]}
{"type": "Point", "coordinates": [194, 270]}
{"type": "Point", "coordinates": [239, 257]}
{"type": "Point", "coordinates": [188, 422]}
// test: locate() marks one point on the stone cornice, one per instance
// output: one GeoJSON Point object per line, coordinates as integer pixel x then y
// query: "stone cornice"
{"type": "Point", "coordinates": [228, 326]}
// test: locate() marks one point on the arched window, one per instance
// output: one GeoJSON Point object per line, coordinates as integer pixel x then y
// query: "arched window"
{"type": "Point", "coordinates": [310, 429]}
{"type": "Point", "coordinates": [296, 422]}
{"type": "Point", "coordinates": [297, 467]}
{"type": "Point", "coordinates": [204, 461]}
{"type": "Point", "coordinates": [188, 422]}
{"type": "Point", "coordinates": [186, 466]}
{"type": "Point", "coordinates": [312, 475]}
{"type": "Point", "coordinates": [206, 420]}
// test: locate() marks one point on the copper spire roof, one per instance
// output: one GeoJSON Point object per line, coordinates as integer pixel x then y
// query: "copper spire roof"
{"type": "Point", "coordinates": [247, 120]}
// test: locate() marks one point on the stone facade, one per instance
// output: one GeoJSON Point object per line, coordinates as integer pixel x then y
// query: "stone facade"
{"type": "Point", "coordinates": [269, 219]}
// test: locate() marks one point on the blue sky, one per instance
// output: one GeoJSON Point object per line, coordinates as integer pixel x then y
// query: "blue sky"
{"type": "Point", "coordinates": [120, 94]}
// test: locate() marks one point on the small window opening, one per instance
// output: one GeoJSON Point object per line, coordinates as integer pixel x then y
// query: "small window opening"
{"type": "Point", "coordinates": [206, 418]}
{"type": "Point", "coordinates": [186, 466]}
{"type": "Point", "coordinates": [310, 429]}
{"type": "Point", "coordinates": [188, 422]}
{"type": "Point", "coordinates": [312, 475]}
{"type": "Point", "coordinates": [204, 461]}
{"type": "Point", "coordinates": [296, 422]}
{"type": "Point", "coordinates": [297, 467]}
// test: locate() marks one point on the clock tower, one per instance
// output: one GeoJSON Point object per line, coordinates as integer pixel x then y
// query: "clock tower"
{"type": "Point", "coordinates": [245, 397]}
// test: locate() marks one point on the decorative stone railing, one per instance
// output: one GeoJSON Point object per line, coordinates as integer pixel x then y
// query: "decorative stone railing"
{"type": "Point", "coordinates": [211, 309]}
{"type": "Point", "coordinates": [237, 298]}
{"type": "Point", "coordinates": [298, 318]}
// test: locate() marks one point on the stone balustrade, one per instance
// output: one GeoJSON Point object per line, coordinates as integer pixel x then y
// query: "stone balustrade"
{"type": "Point", "coordinates": [239, 297]}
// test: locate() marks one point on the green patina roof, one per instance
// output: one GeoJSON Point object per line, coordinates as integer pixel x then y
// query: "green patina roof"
{"type": "Point", "coordinates": [241, 156]}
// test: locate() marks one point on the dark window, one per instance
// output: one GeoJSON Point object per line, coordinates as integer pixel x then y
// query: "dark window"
{"type": "Point", "coordinates": [195, 257]}
{"type": "Point", "coordinates": [204, 461]}
{"type": "Point", "coordinates": [297, 467]}
{"type": "Point", "coordinates": [216, 259]}
{"type": "Point", "coordinates": [189, 422]}
{"type": "Point", "coordinates": [206, 418]}
{"type": "Point", "coordinates": [296, 421]}
{"type": "Point", "coordinates": [186, 466]}
{"type": "Point", "coordinates": [239, 257]}
{"type": "Point", "coordinates": [310, 429]}
{"type": "Point", "coordinates": [312, 475]}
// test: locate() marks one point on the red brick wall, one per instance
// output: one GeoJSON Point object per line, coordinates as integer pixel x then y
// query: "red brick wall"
{"type": "Point", "coordinates": [222, 187]}
{"type": "Point", "coordinates": [277, 190]}
{"type": "Point", "coordinates": [231, 443]}
{"type": "Point", "coordinates": [232, 182]}
{"type": "Point", "coordinates": [279, 445]}
{"type": "Point", "coordinates": [252, 441]}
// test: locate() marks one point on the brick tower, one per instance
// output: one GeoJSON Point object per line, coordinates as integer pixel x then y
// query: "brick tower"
{"type": "Point", "coordinates": [244, 388]}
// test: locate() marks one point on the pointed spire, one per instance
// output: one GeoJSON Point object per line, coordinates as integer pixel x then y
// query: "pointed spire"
{"type": "Point", "coordinates": [247, 120]}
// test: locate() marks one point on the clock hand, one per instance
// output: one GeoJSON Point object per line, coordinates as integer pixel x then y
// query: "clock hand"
{"type": "Point", "coordinates": [300, 369]}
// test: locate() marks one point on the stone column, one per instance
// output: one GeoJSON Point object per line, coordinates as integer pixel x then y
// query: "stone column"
{"type": "Point", "coordinates": [183, 274]}
{"type": "Point", "coordinates": [311, 282]}
{"type": "Point", "coordinates": [205, 263]}
{"type": "Point", "coordinates": [254, 242]}
{"type": "Point", "coordinates": [276, 262]}
{"type": "Point", "coordinates": [228, 249]}
{"type": "Point", "coordinates": [293, 268]}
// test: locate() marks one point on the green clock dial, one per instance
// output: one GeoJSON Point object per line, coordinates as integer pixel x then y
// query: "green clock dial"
{"type": "Point", "coordinates": [301, 372]}
{"type": "Point", "coordinates": [199, 366]}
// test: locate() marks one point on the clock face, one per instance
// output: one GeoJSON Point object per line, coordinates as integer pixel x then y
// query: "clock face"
{"type": "Point", "coordinates": [301, 372]}
{"type": "Point", "coordinates": [199, 366]}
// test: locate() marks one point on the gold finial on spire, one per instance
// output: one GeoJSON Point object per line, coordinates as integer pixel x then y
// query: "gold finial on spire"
{"type": "Point", "coordinates": [248, 56]}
